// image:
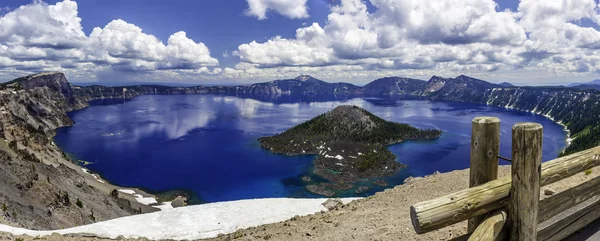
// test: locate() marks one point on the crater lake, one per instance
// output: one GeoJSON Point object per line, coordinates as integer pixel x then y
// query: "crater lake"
{"type": "Point", "coordinates": [206, 145]}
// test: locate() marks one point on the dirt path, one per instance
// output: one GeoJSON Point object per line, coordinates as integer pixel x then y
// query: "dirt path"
{"type": "Point", "coordinates": [384, 216]}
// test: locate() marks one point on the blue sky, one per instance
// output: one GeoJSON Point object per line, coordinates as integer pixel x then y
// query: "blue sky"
{"type": "Point", "coordinates": [242, 41]}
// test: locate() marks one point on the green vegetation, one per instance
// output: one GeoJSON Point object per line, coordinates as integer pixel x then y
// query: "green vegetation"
{"type": "Point", "coordinates": [357, 125]}
{"type": "Point", "coordinates": [79, 203]}
{"type": "Point", "coordinates": [115, 194]}
{"type": "Point", "coordinates": [13, 145]}
{"type": "Point", "coordinates": [344, 124]}
{"type": "Point", "coordinates": [14, 215]}
{"type": "Point", "coordinates": [588, 171]}
{"type": "Point", "coordinates": [4, 208]}
{"type": "Point", "coordinates": [373, 159]}
{"type": "Point", "coordinates": [588, 138]}
{"type": "Point", "coordinates": [18, 239]}
{"type": "Point", "coordinates": [350, 143]}
{"type": "Point", "coordinates": [238, 235]}
{"type": "Point", "coordinates": [92, 217]}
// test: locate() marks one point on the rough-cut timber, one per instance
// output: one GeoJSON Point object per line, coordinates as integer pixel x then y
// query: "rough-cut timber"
{"type": "Point", "coordinates": [525, 185]}
{"type": "Point", "coordinates": [570, 220]}
{"type": "Point", "coordinates": [450, 209]}
{"type": "Point", "coordinates": [565, 223]}
{"type": "Point", "coordinates": [491, 228]}
{"type": "Point", "coordinates": [485, 147]}
{"type": "Point", "coordinates": [564, 200]}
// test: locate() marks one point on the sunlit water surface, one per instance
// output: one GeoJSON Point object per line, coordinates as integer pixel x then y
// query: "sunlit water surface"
{"type": "Point", "coordinates": [206, 144]}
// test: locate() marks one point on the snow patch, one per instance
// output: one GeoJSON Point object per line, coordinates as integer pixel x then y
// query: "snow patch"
{"type": "Point", "coordinates": [139, 198]}
{"type": "Point", "coordinates": [164, 206]}
{"type": "Point", "coordinates": [130, 192]}
{"type": "Point", "coordinates": [194, 222]}
{"type": "Point", "coordinates": [93, 175]}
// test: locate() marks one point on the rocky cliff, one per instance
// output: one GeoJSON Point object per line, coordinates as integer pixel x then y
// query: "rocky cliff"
{"type": "Point", "coordinates": [393, 86]}
{"type": "Point", "coordinates": [38, 189]}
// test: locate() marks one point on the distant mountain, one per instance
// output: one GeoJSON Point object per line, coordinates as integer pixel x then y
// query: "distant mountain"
{"type": "Point", "coordinates": [587, 87]}
{"type": "Point", "coordinates": [576, 108]}
{"type": "Point", "coordinates": [593, 82]}
{"type": "Point", "coordinates": [133, 83]}
{"type": "Point", "coordinates": [350, 143]}
{"type": "Point", "coordinates": [506, 84]}
{"type": "Point", "coordinates": [461, 88]}
{"type": "Point", "coordinates": [390, 86]}
{"type": "Point", "coordinates": [303, 85]}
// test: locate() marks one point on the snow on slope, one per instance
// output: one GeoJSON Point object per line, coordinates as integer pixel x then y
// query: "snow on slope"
{"type": "Point", "coordinates": [195, 222]}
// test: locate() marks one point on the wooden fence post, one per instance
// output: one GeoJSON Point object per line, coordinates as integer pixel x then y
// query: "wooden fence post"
{"type": "Point", "coordinates": [485, 147]}
{"type": "Point", "coordinates": [491, 228]}
{"type": "Point", "coordinates": [525, 185]}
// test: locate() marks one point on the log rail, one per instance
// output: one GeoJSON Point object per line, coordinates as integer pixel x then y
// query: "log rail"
{"type": "Point", "coordinates": [509, 208]}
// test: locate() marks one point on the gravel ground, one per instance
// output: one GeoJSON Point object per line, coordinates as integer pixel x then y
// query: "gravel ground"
{"type": "Point", "coordinates": [384, 216]}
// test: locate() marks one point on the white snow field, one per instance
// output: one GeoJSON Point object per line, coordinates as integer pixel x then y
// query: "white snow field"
{"type": "Point", "coordinates": [194, 222]}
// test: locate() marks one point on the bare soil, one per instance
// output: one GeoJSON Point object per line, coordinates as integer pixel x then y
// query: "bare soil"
{"type": "Point", "coordinates": [383, 216]}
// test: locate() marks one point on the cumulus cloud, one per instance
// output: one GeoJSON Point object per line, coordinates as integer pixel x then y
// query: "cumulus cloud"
{"type": "Point", "coordinates": [41, 25]}
{"type": "Point", "coordinates": [399, 34]}
{"type": "Point", "coordinates": [460, 35]}
{"type": "Point", "coordinates": [413, 38]}
{"type": "Point", "coordinates": [51, 38]}
{"type": "Point", "coordinates": [290, 8]}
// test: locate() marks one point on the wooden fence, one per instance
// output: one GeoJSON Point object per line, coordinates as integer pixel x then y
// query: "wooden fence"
{"type": "Point", "coordinates": [509, 208]}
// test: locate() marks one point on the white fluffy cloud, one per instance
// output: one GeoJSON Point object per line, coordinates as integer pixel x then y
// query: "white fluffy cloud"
{"type": "Point", "coordinates": [400, 34]}
{"type": "Point", "coordinates": [289, 8]}
{"type": "Point", "coordinates": [39, 25]}
{"type": "Point", "coordinates": [444, 35]}
{"type": "Point", "coordinates": [39, 36]}
{"type": "Point", "coordinates": [413, 38]}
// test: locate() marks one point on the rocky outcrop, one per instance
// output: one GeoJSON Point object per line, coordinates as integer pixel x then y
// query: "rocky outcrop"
{"type": "Point", "coordinates": [461, 88]}
{"type": "Point", "coordinates": [393, 86]}
{"type": "Point", "coordinates": [350, 144]}
{"type": "Point", "coordinates": [38, 189]}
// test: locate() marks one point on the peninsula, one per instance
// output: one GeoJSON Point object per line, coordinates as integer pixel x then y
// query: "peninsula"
{"type": "Point", "coordinates": [351, 146]}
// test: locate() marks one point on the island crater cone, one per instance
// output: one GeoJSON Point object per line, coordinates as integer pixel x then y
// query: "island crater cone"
{"type": "Point", "coordinates": [350, 144]}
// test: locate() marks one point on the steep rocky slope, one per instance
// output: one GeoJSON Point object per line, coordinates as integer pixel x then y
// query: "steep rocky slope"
{"type": "Point", "coordinates": [391, 86]}
{"type": "Point", "coordinates": [37, 188]}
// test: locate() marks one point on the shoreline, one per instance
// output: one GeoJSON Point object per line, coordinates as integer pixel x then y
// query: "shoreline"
{"type": "Point", "coordinates": [150, 201]}
{"type": "Point", "coordinates": [105, 186]}
{"type": "Point", "coordinates": [139, 199]}
{"type": "Point", "coordinates": [568, 138]}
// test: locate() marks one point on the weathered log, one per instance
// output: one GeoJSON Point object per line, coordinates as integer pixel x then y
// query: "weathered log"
{"type": "Point", "coordinates": [459, 206]}
{"type": "Point", "coordinates": [485, 147]}
{"type": "Point", "coordinates": [525, 185]}
{"type": "Point", "coordinates": [490, 228]}
{"type": "Point", "coordinates": [569, 221]}
{"type": "Point", "coordinates": [559, 227]}
{"type": "Point", "coordinates": [564, 200]}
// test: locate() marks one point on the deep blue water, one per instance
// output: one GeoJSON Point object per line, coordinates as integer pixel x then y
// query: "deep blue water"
{"type": "Point", "coordinates": [207, 144]}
